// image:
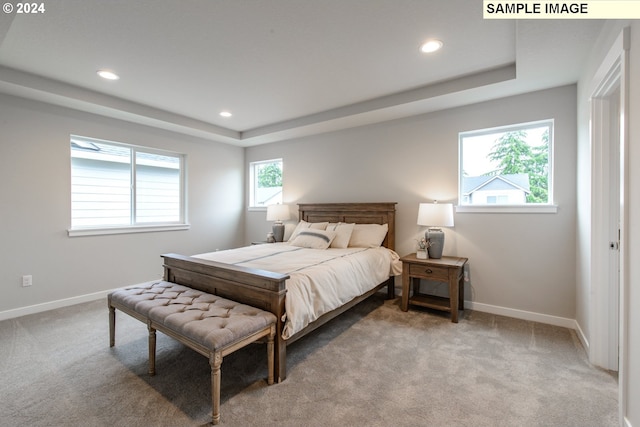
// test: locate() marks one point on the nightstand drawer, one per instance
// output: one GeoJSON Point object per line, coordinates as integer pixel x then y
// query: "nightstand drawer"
{"type": "Point", "coordinates": [429, 272]}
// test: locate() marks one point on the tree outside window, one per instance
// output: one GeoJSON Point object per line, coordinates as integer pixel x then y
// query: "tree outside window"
{"type": "Point", "coordinates": [265, 183]}
{"type": "Point", "coordinates": [506, 166]}
{"type": "Point", "coordinates": [270, 176]}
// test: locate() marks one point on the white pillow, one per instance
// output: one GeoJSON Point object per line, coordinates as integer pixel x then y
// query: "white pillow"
{"type": "Point", "coordinates": [343, 234]}
{"type": "Point", "coordinates": [289, 228]}
{"type": "Point", "coordinates": [304, 225]}
{"type": "Point", "coordinates": [368, 235]}
{"type": "Point", "coordinates": [314, 239]}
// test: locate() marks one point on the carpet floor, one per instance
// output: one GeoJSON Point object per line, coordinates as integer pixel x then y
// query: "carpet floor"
{"type": "Point", "coordinates": [373, 366]}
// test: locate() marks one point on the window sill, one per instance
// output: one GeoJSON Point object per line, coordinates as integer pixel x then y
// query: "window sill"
{"type": "Point", "coordinates": [507, 209]}
{"type": "Point", "coordinates": [78, 232]}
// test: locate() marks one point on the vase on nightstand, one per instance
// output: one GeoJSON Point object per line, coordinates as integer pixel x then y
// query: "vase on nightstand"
{"type": "Point", "coordinates": [421, 249]}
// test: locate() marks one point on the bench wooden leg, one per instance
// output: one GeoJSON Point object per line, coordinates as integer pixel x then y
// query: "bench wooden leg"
{"type": "Point", "coordinates": [215, 360]}
{"type": "Point", "coordinates": [152, 349]}
{"type": "Point", "coordinates": [112, 326]}
{"type": "Point", "coordinates": [271, 355]}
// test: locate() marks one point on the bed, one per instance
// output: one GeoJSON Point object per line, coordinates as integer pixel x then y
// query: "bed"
{"type": "Point", "coordinates": [259, 275]}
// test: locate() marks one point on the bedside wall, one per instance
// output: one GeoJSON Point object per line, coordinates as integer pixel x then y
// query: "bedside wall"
{"type": "Point", "coordinates": [520, 261]}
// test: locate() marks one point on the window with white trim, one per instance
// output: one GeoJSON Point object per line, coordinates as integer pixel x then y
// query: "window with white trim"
{"type": "Point", "coordinates": [507, 166]}
{"type": "Point", "coordinates": [115, 185]}
{"type": "Point", "coordinates": [265, 183]}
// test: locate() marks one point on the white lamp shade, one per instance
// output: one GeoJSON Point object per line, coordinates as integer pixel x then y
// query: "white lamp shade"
{"type": "Point", "coordinates": [435, 214]}
{"type": "Point", "coordinates": [278, 213]}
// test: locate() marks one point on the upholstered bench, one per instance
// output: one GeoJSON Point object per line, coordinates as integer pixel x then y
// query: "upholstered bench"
{"type": "Point", "coordinates": [210, 325]}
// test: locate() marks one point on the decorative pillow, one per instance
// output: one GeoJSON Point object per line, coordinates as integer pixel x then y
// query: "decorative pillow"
{"type": "Point", "coordinates": [343, 235]}
{"type": "Point", "coordinates": [304, 225]}
{"type": "Point", "coordinates": [314, 239]}
{"type": "Point", "coordinates": [368, 235]}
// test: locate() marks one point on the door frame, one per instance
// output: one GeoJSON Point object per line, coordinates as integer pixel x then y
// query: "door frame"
{"type": "Point", "coordinates": [610, 85]}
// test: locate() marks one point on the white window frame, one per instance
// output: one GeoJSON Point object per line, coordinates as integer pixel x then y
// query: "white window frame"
{"type": "Point", "coordinates": [253, 176]}
{"type": "Point", "coordinates": [548, 207]}
{"type": "Point", "coordinates": [134, 226]}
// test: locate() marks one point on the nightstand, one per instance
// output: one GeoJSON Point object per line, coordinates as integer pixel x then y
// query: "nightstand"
{"type": "Point", "coordinates": [446, 269]}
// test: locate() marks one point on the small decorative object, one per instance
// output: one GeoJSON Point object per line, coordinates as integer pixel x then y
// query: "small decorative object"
{"type": "Point", "coordinates": [270, 237]}
{"type": "Point", "coordinates": [435, 215]}
{"type": "Point", "coordinates": [421, 250]}
{"type": "Point", "coordinates": [278, 213]}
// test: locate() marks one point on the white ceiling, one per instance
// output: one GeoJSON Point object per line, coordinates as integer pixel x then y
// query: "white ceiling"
{"type": "Point", "coordinates": [284, 68]}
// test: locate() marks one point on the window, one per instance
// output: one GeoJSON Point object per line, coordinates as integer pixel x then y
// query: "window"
{"type": "Point", "coordinates": [265, 181]}
{"type": "Point", "coordinates": [508, 166]}
{"type": "Point", "coordinates": [123, 187]}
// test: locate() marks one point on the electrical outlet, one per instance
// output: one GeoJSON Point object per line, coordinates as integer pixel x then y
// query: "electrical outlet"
{"type": "Point", "coordinates": [27, 280]}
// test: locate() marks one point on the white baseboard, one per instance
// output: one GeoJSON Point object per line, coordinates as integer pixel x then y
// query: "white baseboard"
{"type": "Point", "coordinates": [535, 317]}
{"type": "Point", "coordinates": [38, 308]}
{"type": "Point", "coordinates": [582, 337]}
{"type": "Point", "coordinates": [524, 315]}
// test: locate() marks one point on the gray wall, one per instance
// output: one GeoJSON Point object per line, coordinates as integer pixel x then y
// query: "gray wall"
{"type": "Point", "coordinates": [517, 261]}
{"type": "Point", "coordinates": [36, 202]}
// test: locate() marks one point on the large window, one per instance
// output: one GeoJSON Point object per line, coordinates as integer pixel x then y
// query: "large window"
{"type": "Point", "coordinates": [507, 166]}
{"type": "Point", "coordinates": [265, 182]}
{"type": "Point", "coordinates": [116, 186]}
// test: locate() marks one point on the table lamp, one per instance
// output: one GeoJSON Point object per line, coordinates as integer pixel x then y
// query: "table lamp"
{"type": "Point", "coordinates": [435, 215]}
{"type": "Point", "coordinates": [278, 213]}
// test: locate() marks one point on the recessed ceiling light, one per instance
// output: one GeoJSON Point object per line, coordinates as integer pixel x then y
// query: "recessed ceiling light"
{"type": "Point", "coordinates": [225, 114]}
{"type": "Point", "coordinates": [109, 75]}
{"type": "Point", "coordinates": [431, 46]}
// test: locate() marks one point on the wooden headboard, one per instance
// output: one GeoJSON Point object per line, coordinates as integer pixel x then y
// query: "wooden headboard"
{"type": "Point", "coordinates": [359, 213]}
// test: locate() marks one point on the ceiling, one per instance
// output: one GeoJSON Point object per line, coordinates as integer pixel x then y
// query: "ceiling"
{"type": "Point", "coordinates": [284, 68]}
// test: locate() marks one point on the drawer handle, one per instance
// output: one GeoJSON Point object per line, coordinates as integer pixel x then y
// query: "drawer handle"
{"type": "Point", "coordinates": [428, 271]}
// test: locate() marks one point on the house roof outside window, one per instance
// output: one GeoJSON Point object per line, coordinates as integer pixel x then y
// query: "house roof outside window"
{"type": "Point", "coordinates": [520, 181]}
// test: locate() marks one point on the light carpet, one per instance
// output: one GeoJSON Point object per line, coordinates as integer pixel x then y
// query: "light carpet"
{"type": "Point", "coordinates": [373, 366]}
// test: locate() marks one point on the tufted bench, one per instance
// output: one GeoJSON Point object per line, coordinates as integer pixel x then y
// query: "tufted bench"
{"type": "Point", "coordinates": [210, 325]}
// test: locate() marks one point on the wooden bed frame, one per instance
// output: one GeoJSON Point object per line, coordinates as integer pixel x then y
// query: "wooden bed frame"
{"type": "Point", "coordinates": [266, 290]}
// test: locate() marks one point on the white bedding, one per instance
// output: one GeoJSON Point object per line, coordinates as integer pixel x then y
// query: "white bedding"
{"type": "Point", "coordinates": [320, 279]}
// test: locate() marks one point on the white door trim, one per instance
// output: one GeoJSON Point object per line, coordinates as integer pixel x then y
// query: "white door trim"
{"type": "Point", "coordinates": [611, 76]}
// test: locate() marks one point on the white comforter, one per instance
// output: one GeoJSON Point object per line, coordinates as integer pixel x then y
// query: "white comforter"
{"type": "Point", "coordinates": [320, 279]}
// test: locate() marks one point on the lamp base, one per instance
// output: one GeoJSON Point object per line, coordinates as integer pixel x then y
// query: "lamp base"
{"type": "Point", "coordinates": [278, 231]}
{"type": "Point", "coordinates": [435, 236]}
